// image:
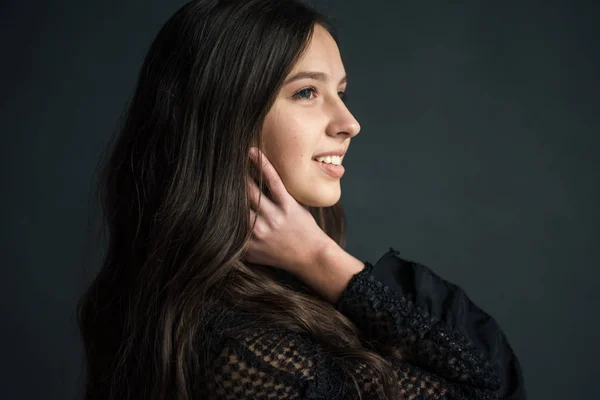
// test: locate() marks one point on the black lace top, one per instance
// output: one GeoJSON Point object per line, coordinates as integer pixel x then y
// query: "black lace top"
{"type": "Point", "coordinates": [451, 348]}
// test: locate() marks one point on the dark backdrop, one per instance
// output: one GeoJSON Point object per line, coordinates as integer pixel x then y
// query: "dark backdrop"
{"type": "Point", "coordinates": [477, 157]}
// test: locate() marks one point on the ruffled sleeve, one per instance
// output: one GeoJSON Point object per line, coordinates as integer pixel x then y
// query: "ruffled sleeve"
{"type": "Point", "coordinates": [404, 305]}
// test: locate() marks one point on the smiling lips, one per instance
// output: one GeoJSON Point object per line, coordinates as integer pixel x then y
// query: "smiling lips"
{"type": "Point", "coordinates": [336, 152]}
{"type": "Point", "coordinates": [331, 165]}
{"type": "Point", "coordinates": [331, 162]}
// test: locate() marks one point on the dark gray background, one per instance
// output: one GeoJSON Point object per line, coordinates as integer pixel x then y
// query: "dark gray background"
{"type": "Point", "coordinates": [477, 157]}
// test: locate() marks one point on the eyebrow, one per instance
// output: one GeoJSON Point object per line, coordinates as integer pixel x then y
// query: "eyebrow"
{"type": "Point", "coordinates": [318, 76]}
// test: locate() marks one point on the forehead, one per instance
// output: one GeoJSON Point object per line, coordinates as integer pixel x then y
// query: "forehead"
{"type": "Point", "coordinates": [322, 54]}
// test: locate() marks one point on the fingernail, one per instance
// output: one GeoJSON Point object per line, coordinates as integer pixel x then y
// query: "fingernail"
{"type": "Point", "coordinates": [252, 151]}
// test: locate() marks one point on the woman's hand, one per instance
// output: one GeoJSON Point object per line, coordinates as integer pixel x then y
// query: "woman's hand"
{"type": "Point", "coordinates": [285, 235]}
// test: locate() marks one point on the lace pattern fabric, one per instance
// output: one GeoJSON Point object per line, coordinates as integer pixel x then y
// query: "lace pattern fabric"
{"type": "Point", "coordinates": [437, 362]}
{"type": "Point", "coordinates": [268, 365]}
{"type": "Point", "coordinates": [388, 318]}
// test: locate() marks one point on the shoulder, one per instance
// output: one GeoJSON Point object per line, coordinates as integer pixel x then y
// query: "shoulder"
{"type": "Point", "coordinates": [265, 362]}
{"type": "Point", "coordinates": [234, 331]}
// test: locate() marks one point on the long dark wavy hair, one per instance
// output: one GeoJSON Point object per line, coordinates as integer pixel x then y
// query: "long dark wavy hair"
{"type": "Point", "coordinates": [175, 209]}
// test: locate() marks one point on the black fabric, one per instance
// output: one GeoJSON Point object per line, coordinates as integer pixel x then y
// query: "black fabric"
{"type": "Point", "coordinates": [450, 348]}
{"type": "Point", "coordinates": [449, 303]}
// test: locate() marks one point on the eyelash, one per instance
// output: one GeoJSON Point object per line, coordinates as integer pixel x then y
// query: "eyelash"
{"type": "Point", "coordinates": [297, 96]}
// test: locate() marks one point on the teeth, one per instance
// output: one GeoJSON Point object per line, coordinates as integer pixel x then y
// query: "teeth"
{"type": "Point", "coordinates": [335, 160]}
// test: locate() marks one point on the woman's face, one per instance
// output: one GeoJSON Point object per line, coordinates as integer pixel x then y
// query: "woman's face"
{"type": "Point", "coordinates": [308, 118]}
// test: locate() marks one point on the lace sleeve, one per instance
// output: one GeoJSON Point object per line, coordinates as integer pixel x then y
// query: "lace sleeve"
{"type": "Point", "coordinates": [433, 324]}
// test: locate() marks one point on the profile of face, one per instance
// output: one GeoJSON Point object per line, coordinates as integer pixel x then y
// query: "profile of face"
{"type": "Point", "coordinates": [308, 118]}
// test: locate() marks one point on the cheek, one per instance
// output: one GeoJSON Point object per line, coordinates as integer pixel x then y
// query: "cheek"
{"type": "Point", "coordinates": [293, 161]}
{"type": "Point", "coordinates": [293, 164]}
{"type": "Point", "coordinates": [288, 147]}
{"type": "Point", "coordinates": [289, 143]}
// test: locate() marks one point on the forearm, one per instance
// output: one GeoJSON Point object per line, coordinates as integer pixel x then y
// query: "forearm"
{"type": "Point", "coordinates": [331, 271]}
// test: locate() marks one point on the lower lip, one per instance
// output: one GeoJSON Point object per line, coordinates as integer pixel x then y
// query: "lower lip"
{"type": "Point", "coordinates": [334, 170]}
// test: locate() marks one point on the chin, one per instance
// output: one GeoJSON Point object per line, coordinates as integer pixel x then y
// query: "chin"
{"type": "Point", "coordinates": [322, 199]}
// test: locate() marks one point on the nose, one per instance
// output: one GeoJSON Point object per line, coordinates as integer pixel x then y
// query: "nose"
{"type": "Point", "coordinates": [343, 122]}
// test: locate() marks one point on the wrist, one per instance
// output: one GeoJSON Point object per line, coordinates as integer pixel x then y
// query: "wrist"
{"type": "Point", "coordinates": [331, 271]}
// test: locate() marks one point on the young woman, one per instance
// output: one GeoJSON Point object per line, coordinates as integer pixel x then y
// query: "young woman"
{"type": "Point", "coordinates": [225, 275]}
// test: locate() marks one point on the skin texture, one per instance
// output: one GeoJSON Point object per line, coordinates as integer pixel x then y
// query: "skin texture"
{"type": "Point", "coordinates": [315, 121]}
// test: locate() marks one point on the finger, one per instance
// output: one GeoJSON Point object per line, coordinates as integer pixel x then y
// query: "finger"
{"type": "Point", "coordinates": [257, 199]}
{"type": "Point", "coordinates": [253, 218]}
{"type": "Point", "coordinates": [257, 227]}
{"type": "Point", "coordinates": [274, 182]}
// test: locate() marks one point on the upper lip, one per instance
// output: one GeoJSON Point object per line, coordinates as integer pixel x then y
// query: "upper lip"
{"type": "Point", "coordinates": [339, 152]}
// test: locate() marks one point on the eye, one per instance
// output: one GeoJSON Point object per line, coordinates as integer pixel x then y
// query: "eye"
{"type": "Point", "coordinates": [299, 95]}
